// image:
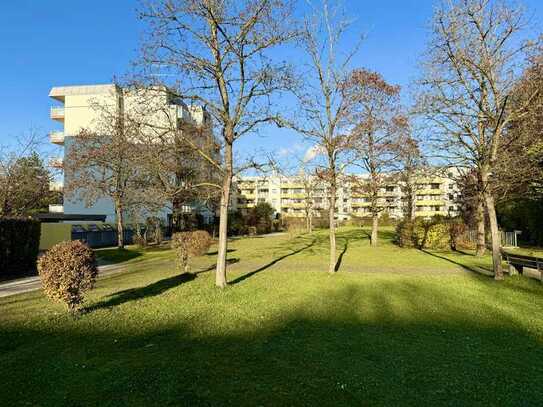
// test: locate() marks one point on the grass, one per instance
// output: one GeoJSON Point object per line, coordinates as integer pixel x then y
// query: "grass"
{"type": "Point", "coordinates": [392, 327]}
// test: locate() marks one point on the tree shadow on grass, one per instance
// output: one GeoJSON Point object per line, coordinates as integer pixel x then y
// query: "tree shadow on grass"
{"type": "Point", "coordinates": [274, 261]}
{"type": "Point", "coordinates": [340, 258]}
{"type": "Point", "coordinates": [138, 293]}
{"type": "Point", "coordinates": [386, 347]}
{"type": "Point", "coordinates": [484, 271]}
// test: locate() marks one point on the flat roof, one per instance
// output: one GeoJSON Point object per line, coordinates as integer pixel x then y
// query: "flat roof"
{"type": "Point", "coordinates": [57, 217]}
{"type": "Point", "coordinates": [59, 92]}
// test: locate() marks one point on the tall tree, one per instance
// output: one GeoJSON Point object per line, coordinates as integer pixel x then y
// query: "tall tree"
{"type": "Point", "coordinates": [378, 128]}
{"type": "Point", "coordinates": [218, 54]}
{"type": "Point", "coordinates": [323, 105]}
{"type": "Point", "coordinates": [101, 163]}
{"type": "Point", "coordinates": [470, 71]}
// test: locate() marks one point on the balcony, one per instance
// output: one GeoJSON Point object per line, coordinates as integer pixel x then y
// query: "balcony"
{"type": "Point", "coordinates": [56, 208]}
{"type": "Point", "coordinates": [57, 113]}
{"type": "Point", "coordinates": [56, 162]}
{"type": "Point", "coordinates": [191, 115]}
{"type": "Point", "coordinates": [56, 186]}
{"type": "Point", "coordinates": [57, 137]}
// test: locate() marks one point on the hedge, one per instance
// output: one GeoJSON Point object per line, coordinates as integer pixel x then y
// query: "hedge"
{"type": "Point", "coordinates": [435, 233]}
{"type": "Point", "coordinates": [19, 246]}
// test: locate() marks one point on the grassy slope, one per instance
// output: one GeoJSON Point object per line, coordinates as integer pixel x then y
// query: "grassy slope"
{"type": "Point", "coordinates": [394, 326]}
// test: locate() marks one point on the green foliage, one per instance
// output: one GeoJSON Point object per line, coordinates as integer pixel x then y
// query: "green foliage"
{"type": "Point", "coordinates": [260, 217]}
{"type": "Point", "coordinates": [19, 246]}
{"type": "Point", "coordinates": [24, 187]}
{"type": "Point", "coordinates": [67, 271]}
{"type": "Point", "coordinates": [236, 224]}
{"type": "Point", "coordinates": [435, 233]}
{"type": "Point", "coordinates": [525, 215]}
{"type": "Point", "coordinates": [189, 244]}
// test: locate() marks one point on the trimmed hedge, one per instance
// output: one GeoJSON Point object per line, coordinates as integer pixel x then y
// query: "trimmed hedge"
{"type": "Point", "coordinates": [19, 246]}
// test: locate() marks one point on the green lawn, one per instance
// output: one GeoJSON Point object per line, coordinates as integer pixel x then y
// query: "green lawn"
{"type": "Point", "coordinates": [392, 327]}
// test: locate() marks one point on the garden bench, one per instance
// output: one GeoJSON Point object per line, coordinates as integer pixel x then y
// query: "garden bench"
{"type": "Point", "coordinates": [517, 262]}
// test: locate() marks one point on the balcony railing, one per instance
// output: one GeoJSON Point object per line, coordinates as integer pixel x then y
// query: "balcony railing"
{"type": "Point", "coordinates": [57, 137]}
{"type": "Point", "coordinates": [56, 208]}
{"type": "Point", "coordinates": [56, 186]}
{"type": "Point", "coordinates": [56, 162]}
{"type": "Point", "coordinates": [57, 113]}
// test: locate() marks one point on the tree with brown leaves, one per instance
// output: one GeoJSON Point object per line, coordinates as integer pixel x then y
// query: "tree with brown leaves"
{"type": "Point", "coordinates": [378, 128]}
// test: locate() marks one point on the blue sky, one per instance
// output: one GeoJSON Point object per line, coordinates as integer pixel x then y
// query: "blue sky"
{"type": "Point", "coordinates": [61, 42]}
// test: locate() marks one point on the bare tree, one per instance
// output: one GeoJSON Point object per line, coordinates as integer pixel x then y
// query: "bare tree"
{"type": "Point", "coordinates": [470, 72]}
{"type": "Point", "coordinates": [409, 166]}
{"type": "Point", "coordinates": [101, 163]}
{"type": "Point", "coordinates": [323, 104]}
{"type": "Point", "coordinates": [218, 54]}
{"type": "Point", "coordinates": [378, 128]}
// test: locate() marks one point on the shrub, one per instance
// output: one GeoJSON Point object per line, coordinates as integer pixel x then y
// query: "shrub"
{"type": "Point", "coordinates": [430, 234]}
{"type": "Point", "coordinates": [188, 245]}
{"type": "Point", "coordinates": [67, 271]}
{"type": "Point", "coordinates": [435, 233]}
{"type": "Point", "coordinates": [236, 224]}
{"type": "Point", "coordinates": [404, 233]}
{"type": "Point", "coordinates": [19, 246]}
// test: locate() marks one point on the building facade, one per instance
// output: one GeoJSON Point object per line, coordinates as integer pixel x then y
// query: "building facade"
{"type": "Point", "coordinates": [297, 195]}
{"type": "Point", "coordinates": [76, 109]}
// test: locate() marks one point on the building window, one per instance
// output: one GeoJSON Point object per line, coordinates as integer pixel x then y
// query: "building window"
{"type": "Point", "coordinates": [434, 186]}
{"type": "Point", "coordinates": [390, 189]}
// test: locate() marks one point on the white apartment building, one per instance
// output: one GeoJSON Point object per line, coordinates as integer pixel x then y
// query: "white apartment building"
{"type": "Point", "coordinates": [76, 109]}
{"type": "Point", "coordinates": [291, 196]}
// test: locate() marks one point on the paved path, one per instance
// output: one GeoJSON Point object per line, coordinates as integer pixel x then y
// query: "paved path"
{"type": "Point", "coordinates": [27, 284]}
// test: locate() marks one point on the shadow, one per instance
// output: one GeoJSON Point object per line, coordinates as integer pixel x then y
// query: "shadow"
{"type": "Point", "coordinates": [214, 266]}
{"type": "Point", "coordinates": [115, 255]}
{"type": "Point", "coordinates": [216, 252]}
{"type": "Point", "coordinates": [484, 271]}
{"type": "Point", "coordinates": [275, 261]}
{"type": "Point", "coordinates": [134, 294]}
{"type": "Point", "coordinates": [340, 257]}
{"type": "Point", "coordinates": [387, 347]}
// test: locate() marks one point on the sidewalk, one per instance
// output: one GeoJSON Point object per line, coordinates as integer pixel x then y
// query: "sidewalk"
{"type": "Point", "coordinates": [27, 284]}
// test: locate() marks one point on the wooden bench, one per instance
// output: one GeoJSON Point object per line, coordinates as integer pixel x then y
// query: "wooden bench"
{"type": "Point", "coordinates": [517, 262]}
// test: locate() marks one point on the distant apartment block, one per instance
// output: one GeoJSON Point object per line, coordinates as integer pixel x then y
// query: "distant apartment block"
{"type": "Point", "coordinates": [76, 109]}
{"type": "Point", "coordinates": [293, 196]}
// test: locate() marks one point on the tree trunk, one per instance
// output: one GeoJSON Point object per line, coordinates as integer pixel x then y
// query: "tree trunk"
{"type": "Point", "coordinates": [120, 224]}
{"type": "Point", "coordinates": [495, 235]}
{"type": "Point", "coordinates": [220, 274]}
{"type": "Point", "coordinates": [331, 212]}
{"type": "Point", "coordinates": [480, 218]}
{"type": "Point", "coordinates": [374, 229]}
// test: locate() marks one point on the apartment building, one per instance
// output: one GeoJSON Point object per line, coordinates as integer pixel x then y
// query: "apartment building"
{"type": "Point", "coordinates": [76, 109]}
{"type": "Point", "coordinates": [294, 196]}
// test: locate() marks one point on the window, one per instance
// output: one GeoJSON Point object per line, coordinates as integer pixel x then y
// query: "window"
{"type": "Point", "coordinates": [390, 189]}
{"type": "Point", "coordinates": [451, 186]}
{"type": "Point", "coordinates": [434, 186]}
